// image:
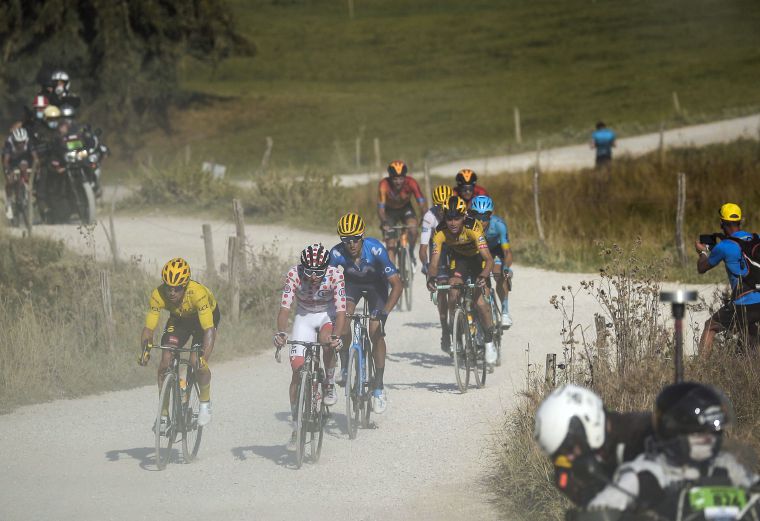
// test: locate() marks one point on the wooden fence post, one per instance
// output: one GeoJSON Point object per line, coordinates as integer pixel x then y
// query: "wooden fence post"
{"type": "Point", "coordinates": [681, 208]}
{"type": "Point", "coordinates": [518, 130]}
{"type": "Point", "coordinates": [601, 337]}
{"type": "Point", "coordinates": [188, 154]}
{"type": "Point", "coordinates": [237, 209]}
{"type": "Point", "coordinates": [676, 103]}
{"type": "Point", "coordinates": [428, 192]}
{"type": "Point", "coordinates": [233, 259]}
{"type": "Point", "coordinates": [551, 369]}
{"type": "Point", "coordinates": [105, 293]}
{"type": "Point", "coordinates": [351, 9]}
{"type": "Point", "coordinates": [208, 244]}
{"type": "Point", "coordinates": [378, 166]}
{"type": "Point", "coordinates": [537, 194]}
{"type": "Point", "coordinates": [111, 238]}
{"type": "Point", "coordinates": [267, 155]}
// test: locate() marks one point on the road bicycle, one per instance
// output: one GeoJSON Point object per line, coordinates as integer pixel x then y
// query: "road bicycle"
{"type": "Point", "coordinates": [179, 401]}
{"type": "Point", "coordinates": [361, 373]}
{"type": "Point", "coordinates": [404, 260]}
{"type": "Point", "coordinates": [312, 413]}
{"type": "Point", "coordinates": [468, 345]}
{"type": "Point", "coordinates": [498, 331]}
{"type": "Point", "coordinates": [21, 198]}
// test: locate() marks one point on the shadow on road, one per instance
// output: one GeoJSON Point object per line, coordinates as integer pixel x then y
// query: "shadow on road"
{"type": "Point", "coordinates": [426, 360]}
{"type": "Point", "coordinates": [145, 455]}
{"type": "Point", "coordinates": [423, 325]}
{"type": "Point", "coordinates": [275, 453]}
{"type": "Point", "coordinates": [436, 387]}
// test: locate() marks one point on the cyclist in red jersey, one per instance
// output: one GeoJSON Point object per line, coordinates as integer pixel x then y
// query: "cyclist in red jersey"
{"type": "Point", "coordinates": [394, 205]}
{"type": "Point", "coordinates": [466, 187]}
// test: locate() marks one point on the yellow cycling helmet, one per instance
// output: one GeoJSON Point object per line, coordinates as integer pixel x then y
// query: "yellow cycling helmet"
{"type": "Point", "coordinates": [454, 207]}
{"type": "Point", "coordinates": [350, 224]}
{"type": "Point", "coordinates": [730, 212]}
{"type": "Point", "coordinates": [441, 194]}
{"type": "Point", "coordinates": [176, 272]}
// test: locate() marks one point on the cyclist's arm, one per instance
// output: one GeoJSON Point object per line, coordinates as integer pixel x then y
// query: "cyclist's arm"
{"type": "Point", "coordinates": [381, 198]}
{"type": "Point", "coordinates": [480, 240]}
{"type": "Point", "coordinates": [423, 253]}
{"type": "Point", "coordinates": [288, 297]}
{"type": "Point", "coordinates": [435, 255]}
{"type": "Point", "coordinates": [504, 241]}
{"type": "Point", "coordinates": [418, 195]}
{"type": "Point", "coordinates": [397, 287]}
{"type": "Point", "coordinates": [339, 299]}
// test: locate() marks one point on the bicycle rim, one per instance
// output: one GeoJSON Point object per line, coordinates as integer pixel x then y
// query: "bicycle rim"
{"type": "Point", "coordinates": [315, 418]}
{"type": "Point", "coordinates": [477, 355]}
{"type": "Point", "coordinates": [370, 362]}
{"type": "Point", "coordinates": [459, 344]}
{"type": "Point", "coordinates": [402, 271]}
{"type": "Point", "coordinates": [165, 441]}
{"type": "Point", "coordinates": [408, 281]}
{"type": "Point", "coordinates": [191, 440]}
{"type": "Point", "coordinates": [303, 411]}
{"type": "Point", "coordinates": [320, 434]}
{"type": "Point", "coordinates": [352, 394]}
{"type": "Point", "coordinates": [498, 332]}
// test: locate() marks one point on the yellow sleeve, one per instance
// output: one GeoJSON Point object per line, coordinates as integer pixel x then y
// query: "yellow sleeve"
{"type": "Point", "coordinates": [155, 305]}
{"type": "Point", "coordinates": [203, 301]}
{"type": "Point", "coordinates": [438, 240]}
{"type": "Point", "coordinates": [478, 236]}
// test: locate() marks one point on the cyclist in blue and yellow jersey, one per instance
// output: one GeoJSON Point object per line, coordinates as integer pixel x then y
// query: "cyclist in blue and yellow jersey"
{"type": "Point", "coordinates": [433, 217]}
{"type": "Point", "coordinates": [193, 312]}
{"type": "Point", "coordinates": [470, 259]}
{"type": "Point", "coordinates": [368, 272]}
{"type": "Point", "coordinates": [497, 236]}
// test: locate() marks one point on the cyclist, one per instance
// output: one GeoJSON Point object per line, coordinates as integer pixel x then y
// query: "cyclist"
{"type": "Point", "coordinates": [466, 186]}
{"type": "Point", "coordinates": [193, 312]}
{"type": "Point", "coordinates": [470, 258]}
{"type": "Point", "coordinates": [394, 205]}
{"type": "Point", "coordinates": [320, 292]}
{"type": "Point", "coordinates": [689, 421]}
{"type": "Point", "coordinates": [585, 441]}
{"type": "Point", "coordinates": [497, 236]}
{"type": "Point", "coordinates": [744, 308]}
{"type": "Point", "coordinates": [368, 272]}
{"type": "Point", "coordinates": [430, 222]}
{"type": "Point", "coordinates": [17, 148]}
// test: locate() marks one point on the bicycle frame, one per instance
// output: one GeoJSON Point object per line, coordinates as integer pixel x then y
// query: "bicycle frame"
{"type": "Point", "coordinates": [311, 366]}
{"type": "Point", "coordinates": [360, 330]}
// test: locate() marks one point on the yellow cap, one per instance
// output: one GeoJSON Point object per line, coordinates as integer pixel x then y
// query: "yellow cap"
{"type": "Point", "coordinates": [730, 212]}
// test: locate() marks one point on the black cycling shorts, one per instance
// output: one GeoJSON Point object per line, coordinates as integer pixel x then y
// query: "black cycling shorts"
{"type": "Point", "coordinates": [178, 330]}
{"type": "Point", "coordinates": [398, 216]}
{"type": "Point", "coordinates": [376, 296]}
{"type": "Point", "coordinates": [466, 267]}
{"type": "Point", "coordinates": [496, 252]}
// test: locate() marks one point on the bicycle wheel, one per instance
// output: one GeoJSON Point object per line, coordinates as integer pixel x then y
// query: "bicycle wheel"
{"type": "Point", "coordinates": [353, 392]}
{"type": "Point", "coordinates": [477, 356]}
{"type": "Point", "coordinates": [408, 283]}
{"type": "Point", "coordinates": [304, 403]}
{"type": "Point", "coordinates": [461, 346]}
{"type": "Point", "coordinates": [165, 440]}
{"type": "Point", "coordinates": [370, 383]}
{"type": "Point", "coordinates": [319, 433]}
{"type": "Point", "coordinates": [497, 331]}
{"type": "Point", "coordinates": [403, 272]}
{"type": "Point", "coordinates": [191, 404]}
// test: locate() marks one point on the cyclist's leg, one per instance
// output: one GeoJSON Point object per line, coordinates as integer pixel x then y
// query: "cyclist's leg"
{"type": "Point", "coordinates": [203, 371]}
{"type": "Point", "coordinates": [377, 298]}
{"type": "Point", "coordinates": [410, 219]}
{"type": "Point", "coordinates": [353, 295]}
{"type": "Point", "coordinates": [391, 237]}
{"type": "Point", "coordinates": [328, 353]}
{"type": "Point", "coordinates": [174, 335]}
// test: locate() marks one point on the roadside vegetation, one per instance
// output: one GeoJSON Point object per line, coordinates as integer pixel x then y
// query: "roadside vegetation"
{"type": "Point", "coordinates": [627, 364]}
{"type": "Point", "coordinates": [54, 340]}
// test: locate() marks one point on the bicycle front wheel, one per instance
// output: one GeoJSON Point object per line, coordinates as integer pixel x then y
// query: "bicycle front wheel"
{"type": "Point", "coordinates": [497, 331]}
{"type": "Point", "coordinates": [318, 433]}
{"type": "Point", "coordinates": [461, 346]}
{"type": "Point", "coordinates": [304, 392]}
{"type": "Point", "coordinates": [353, 392]}
{"type": "Point", "coordinates": [370, 383]}
{"type": "Point", "coordinates": [191, 404]}
{"type": "Point", "coordinates": [408, 281]}
{"type": "Point", "coordinates": [166, 407]}
{"type": "Point", "coordinates": [477, 355]}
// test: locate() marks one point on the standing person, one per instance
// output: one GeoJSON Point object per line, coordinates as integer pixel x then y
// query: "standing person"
{"type": "Point", "coordinates": [430, 222]}
{"type": "Point", "coordinates": [193, 312]}
{"type": "Point", "coordinates": [369, 272]}
{"type": "Point", "coordinates": [467, 186]}
{"type": "Point", "coordinates": [603, 140]}
{"type": "Point", "coordinates": [320, 294]}
{"type": "Point", "coordinates": [394, 205]}
{"type": "Point", "coordinates": [743, 310]}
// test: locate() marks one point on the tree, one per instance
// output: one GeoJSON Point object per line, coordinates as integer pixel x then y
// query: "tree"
{"type": "Point", "coordinates": [121, 54]}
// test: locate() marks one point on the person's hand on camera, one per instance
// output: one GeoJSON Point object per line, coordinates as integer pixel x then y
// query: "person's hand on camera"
{"type": "Point", "coordinates": [701, 247]}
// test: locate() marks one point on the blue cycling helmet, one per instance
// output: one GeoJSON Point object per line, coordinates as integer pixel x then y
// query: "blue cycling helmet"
{"type": "Point", "coordinates": [482, 204]}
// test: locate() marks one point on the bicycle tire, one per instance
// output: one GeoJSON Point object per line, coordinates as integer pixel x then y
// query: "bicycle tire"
{"type": "Point", "coordinates": [315, 417]}
{"type": "Point", "coordinates": [408, 285]}
{"type": "Point", "coordinates": [402, 271]}
{"type": "Point", "coordinates": [353, 394]}
{"type": "Point", "coordinates": [498, 333]}
{"type": "Point", "coordinates": [301, 424]}
{"type": "Point", "coordinates": [460, 340]}
{"type": "Point", "coordinates": [191, 405]}
{"type": "Point", "coordinates": [164, 442]}
{"type": "Point", "coordinates": [316, 452]}
{"type": "Point", "coordinates": [477, 356]}
{"type": "Point", "coordinates": [370, 363]}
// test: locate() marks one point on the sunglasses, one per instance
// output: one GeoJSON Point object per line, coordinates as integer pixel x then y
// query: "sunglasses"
{"type": "Point", "coordinates": [175, 289]}
{"type": "Point", "coordinates": [466, 188]}
{"type": "Point", "coordinates": [309, 272]}
{"type": "Point", "coordinates": [481, 216]}
{"type": "Point", "coordinates": [351, 240]}
{"type": "Point", "coordinates": [454, 217]}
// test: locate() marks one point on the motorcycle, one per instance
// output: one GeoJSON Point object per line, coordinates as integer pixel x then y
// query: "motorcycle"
{"type": "Point", "coordinates": [70, 184]}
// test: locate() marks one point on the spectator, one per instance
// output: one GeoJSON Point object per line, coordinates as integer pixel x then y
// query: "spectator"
{"type": "Point", "coordinates": [603, 140]}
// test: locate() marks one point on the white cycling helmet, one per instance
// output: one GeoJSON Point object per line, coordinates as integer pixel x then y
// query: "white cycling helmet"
{"type": "Point", "coordinates": [20, 135]}
{"type": "Point", "coordinates": [555, 414]}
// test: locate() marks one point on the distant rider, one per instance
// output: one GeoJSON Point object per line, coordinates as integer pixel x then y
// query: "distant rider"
{"type": "Point", "coordinates": [17, 148]}
{"type": "Point", "coordinates": [467, 186]}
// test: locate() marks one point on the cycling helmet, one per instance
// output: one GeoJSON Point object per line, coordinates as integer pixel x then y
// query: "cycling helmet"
{"type": "Point", "coordinates": [730, 212]}
{"type": "Point", "coordinates": [397, 168]}
{"type": "Point", "coordinates": [20, 135]}
{"type": "Point", "coordinates": [441, 194]}
{"type": "Point", "coordinates": [466, 177]}
{"type": "Point", "coordinates": [67, 111]}
{"type": "Point", "coordinates": [176, 272]}
{"type": "Point", "coordinates": [482, 204]}
{"type": "Point", "coordinates": [350, 224]}
{"type": "Point", "coordinates": [454, 207]}
{"type": "Point", "coordinates": [40, 102]}
{"type": "Point", "coordinates": [315, 257]}
{"type": "Point", "coordinates": [689, 408]}
{"type": "Point", "coordinates": [570, 414]}
{"type": "Point", "coordinates": [52, 112]}
{"type": "Point", "coordinates": [60, 76]}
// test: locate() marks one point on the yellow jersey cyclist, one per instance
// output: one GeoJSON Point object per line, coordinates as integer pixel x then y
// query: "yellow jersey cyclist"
{"type": "Point", "coordinates": [193, 312]}
{"type": "Point", "coordinates": [369, 272]}
{"type": "Point", "coordinates": [497, 237]}
{"type": "Point", "coordinates": [319, 291]}
{"type": "Point", "coordinates": [430, 221]}
{"type": "Point", "coordinates": [470, 258]}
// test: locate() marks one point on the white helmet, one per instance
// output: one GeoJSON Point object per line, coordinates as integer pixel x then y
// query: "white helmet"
{"type": "Point", "coordinates": [555, 414]}
{"type": "Point", "coordinates": [20, 135]}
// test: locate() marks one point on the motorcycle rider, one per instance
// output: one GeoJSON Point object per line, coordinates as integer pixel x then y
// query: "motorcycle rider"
{"type": "Point", "coordinates": [56, 88]}
{"type": "Point", "coordinates": [585, 441]}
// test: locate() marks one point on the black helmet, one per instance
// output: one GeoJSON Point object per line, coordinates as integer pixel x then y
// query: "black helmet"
{"type": "Point", "coordinates": [689, 408]}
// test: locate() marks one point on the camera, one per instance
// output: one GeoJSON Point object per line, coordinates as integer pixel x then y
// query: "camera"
{"type": "Point", "coordinates": [711, 239]}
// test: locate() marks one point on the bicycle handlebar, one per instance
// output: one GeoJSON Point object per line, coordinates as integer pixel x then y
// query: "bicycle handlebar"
{"type": "Point", "coordinates": [455, 286]}
{"type": "Point", "coordinates": [179, 349]}
{"type": "Point", "coordinates": [307, 344]}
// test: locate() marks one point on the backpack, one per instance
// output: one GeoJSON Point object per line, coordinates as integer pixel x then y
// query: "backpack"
{"type": "Point", "coordinates": [750, 247]}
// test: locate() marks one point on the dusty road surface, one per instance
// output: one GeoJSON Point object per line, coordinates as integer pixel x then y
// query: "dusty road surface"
{"type": "Point", "coordinates": [426, 458]}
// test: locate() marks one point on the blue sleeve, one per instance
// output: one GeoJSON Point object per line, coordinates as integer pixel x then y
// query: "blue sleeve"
{"type": "Point", "coordinates": [504, 233]}
{"type": "Point", "coordinates": [336, 258]}
{"type": "Point", "coordinates": [718, 253]}
{"type": "Point", "coordinates": [381, 256]}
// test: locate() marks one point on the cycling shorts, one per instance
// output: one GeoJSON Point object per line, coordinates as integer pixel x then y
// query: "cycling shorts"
{"type": "Point", "coordinates": [466, 267]}
{"type": "Point", "coordinates": [178, 330]}
{"type": "Point", "coordinates": [398, 216]}
{"type": "Point", "coordinates": [497, 253]}
{"type": "Point", "coordinates": [376, 298]}
{"type": "Point", "coordinates": [307, 328]}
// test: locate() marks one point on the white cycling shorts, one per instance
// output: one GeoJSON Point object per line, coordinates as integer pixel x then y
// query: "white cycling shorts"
{"type": "Point", "coordinates": [307, 328]}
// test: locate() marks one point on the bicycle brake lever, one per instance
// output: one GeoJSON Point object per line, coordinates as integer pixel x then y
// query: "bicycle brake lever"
{"type": "Point", "coordinates": [278, 355]}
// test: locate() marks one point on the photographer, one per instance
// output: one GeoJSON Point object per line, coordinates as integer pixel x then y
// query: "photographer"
{"type": "Point", "coordinates": [735, 248]}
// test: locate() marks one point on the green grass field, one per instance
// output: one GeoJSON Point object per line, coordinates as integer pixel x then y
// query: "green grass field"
{"type": "Point", "coordinates": [441, 77]}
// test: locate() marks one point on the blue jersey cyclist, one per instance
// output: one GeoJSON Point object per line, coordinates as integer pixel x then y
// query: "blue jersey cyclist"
{"type": "Point", "coordinates": [497, 236]}
{"type": "Point", "coordinates": [369, 273]}
{"type": "Point", "coordinates": [743, 310]}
